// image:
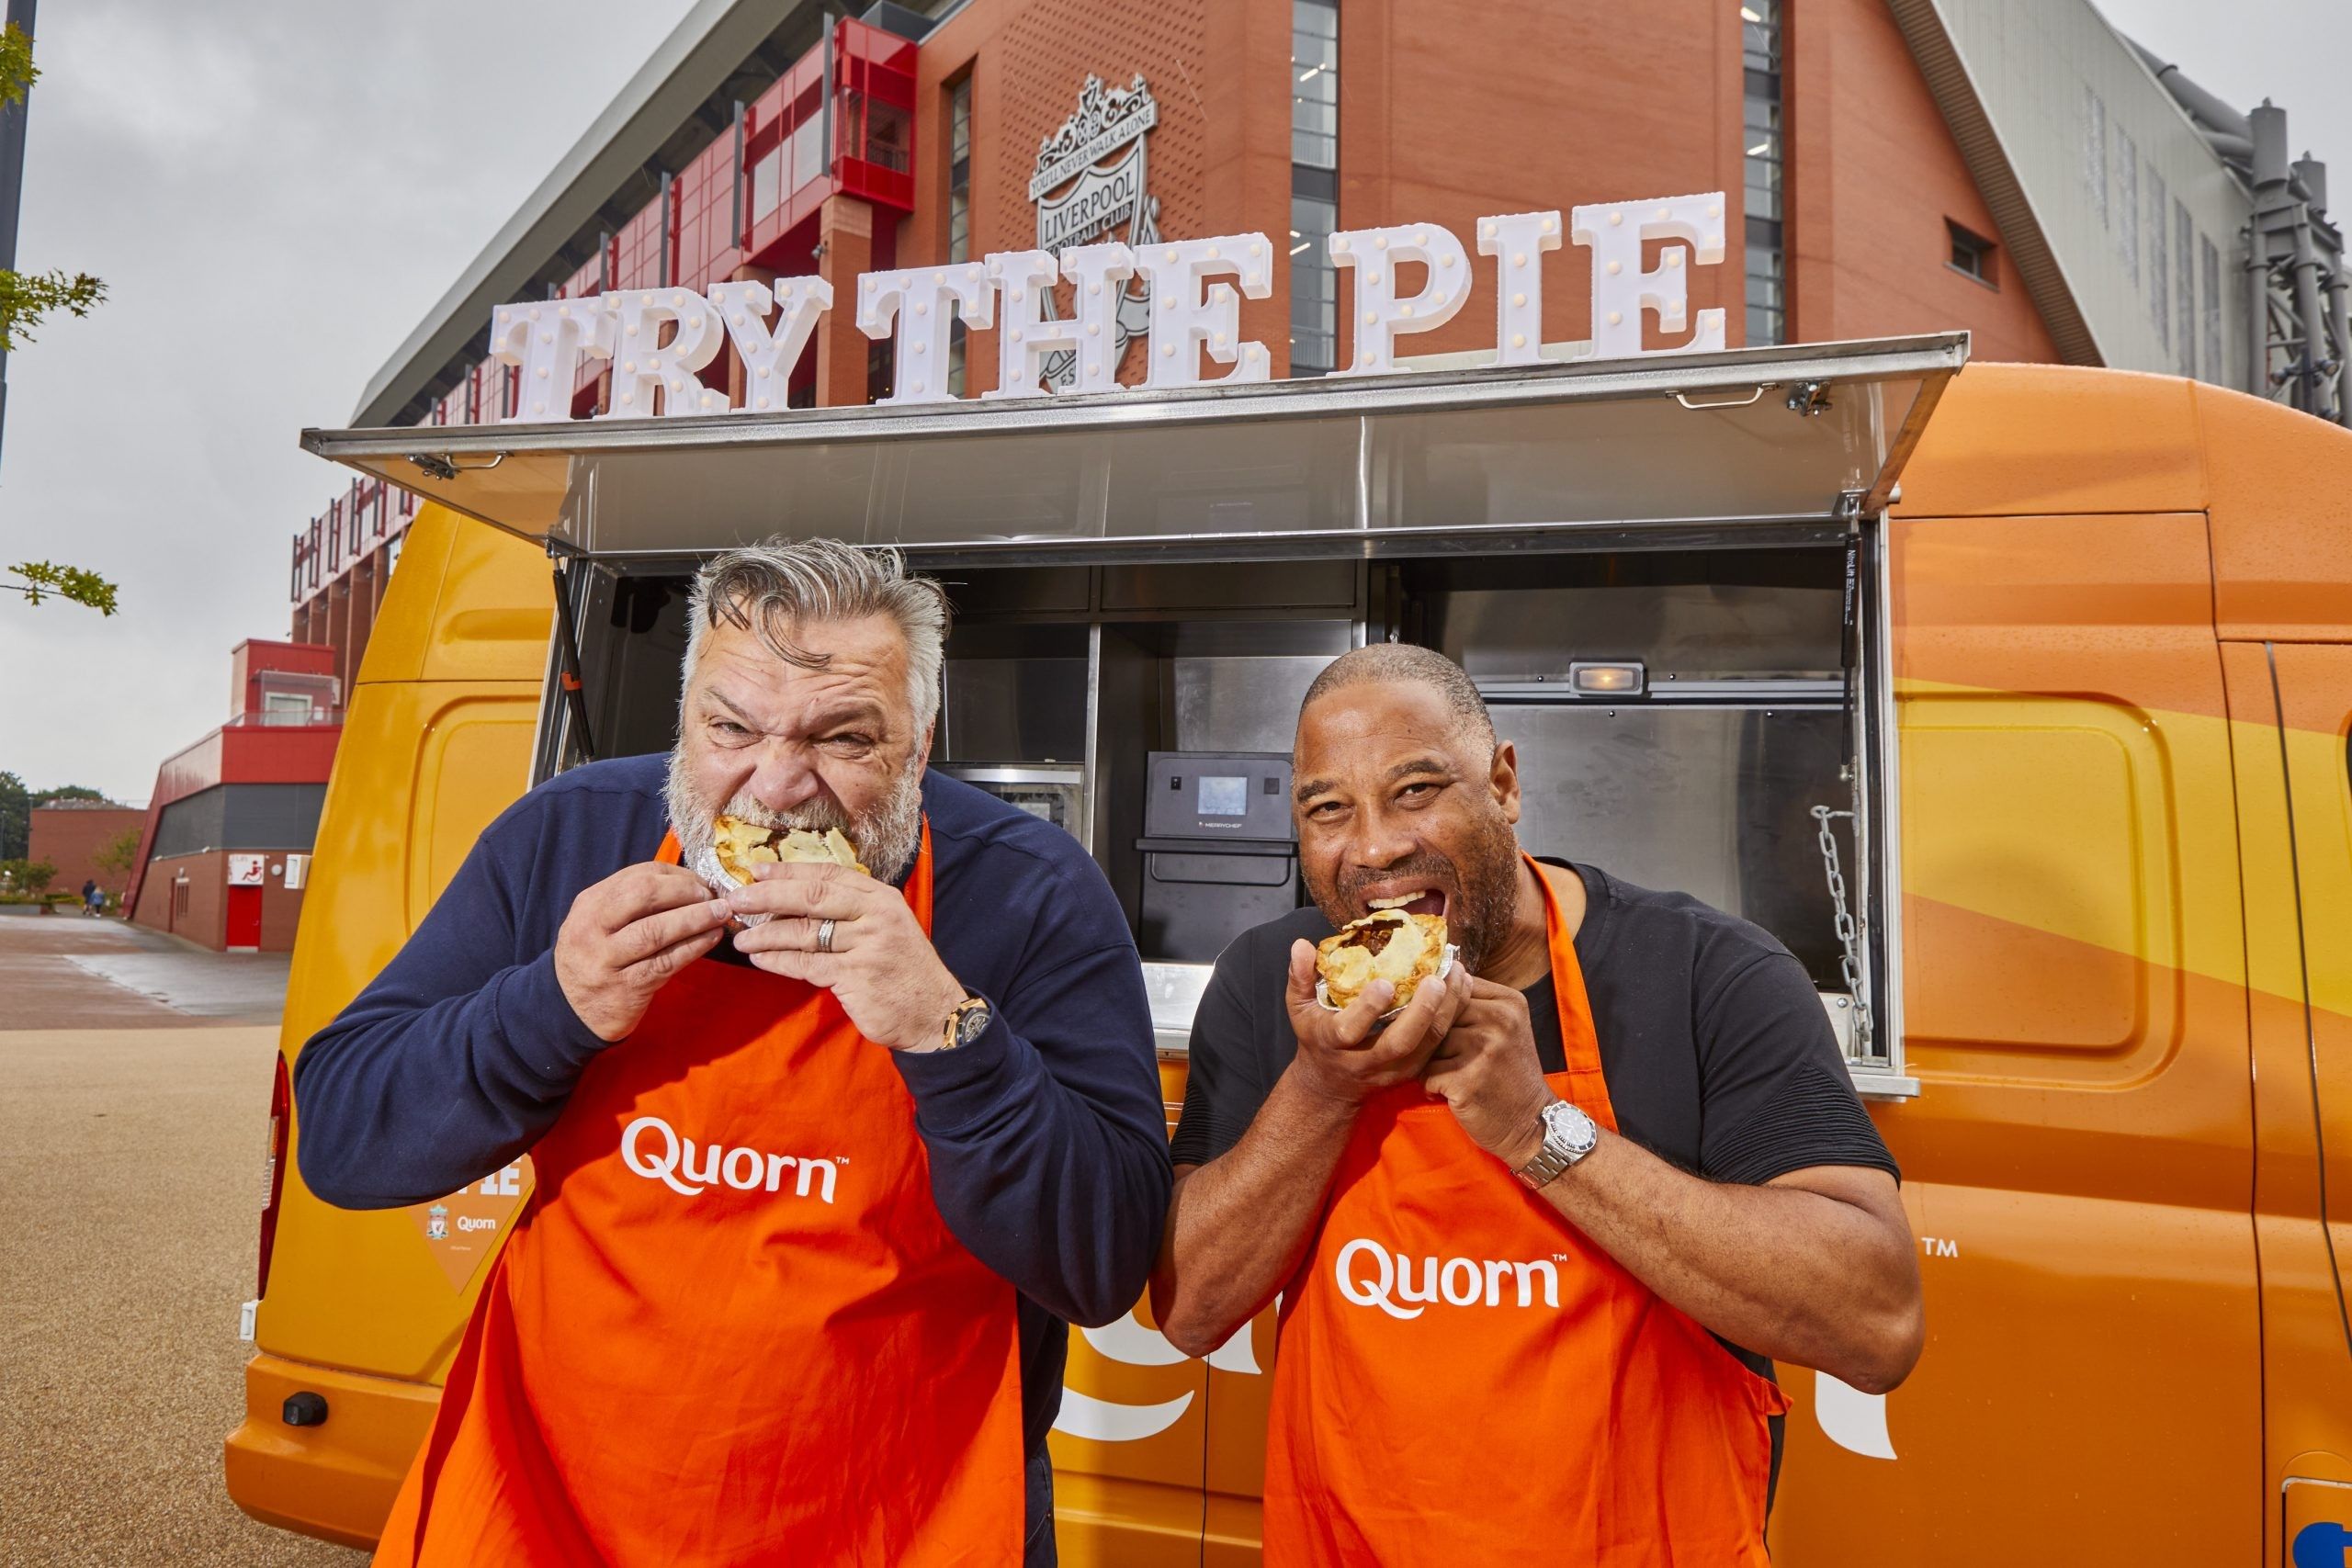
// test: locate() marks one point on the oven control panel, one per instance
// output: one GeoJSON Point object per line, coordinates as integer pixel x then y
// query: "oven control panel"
{"type": "Point", "coordinates": [1218, 794]}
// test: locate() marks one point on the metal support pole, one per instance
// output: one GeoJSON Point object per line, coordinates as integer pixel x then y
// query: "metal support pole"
{"type": "Point", "coordinates": [12, 178]}
{"type": "Point", "coordinates": [2339, 342]}
{"type": "Point", "coordinates": [669, 233]}
{"type": "Point", "coordinates": [2257, 318]}
{"type": "Point", "coordinates": [740, 226]}
{"type": "Point", "coordinates": [2274, 212]}
{"type": "Point", "coordinates": [825, 97]}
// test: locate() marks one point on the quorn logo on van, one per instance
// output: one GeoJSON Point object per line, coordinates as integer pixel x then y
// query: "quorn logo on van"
{"type": "Point", "coordinates": [1369, 1275]}
{"type": "Point", "coordinates": [652, 1149]}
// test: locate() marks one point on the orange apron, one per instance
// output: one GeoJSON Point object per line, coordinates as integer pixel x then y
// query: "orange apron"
{"type": "Point", "coordinates": [733, 1327]}
{"type": "Point", "coordinates": [1464, 1377]}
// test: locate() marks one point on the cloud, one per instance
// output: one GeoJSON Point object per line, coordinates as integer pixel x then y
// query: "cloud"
{"type": "Point", "coordinates": [275, 193]}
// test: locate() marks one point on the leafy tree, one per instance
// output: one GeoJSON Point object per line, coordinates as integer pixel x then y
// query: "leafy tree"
{"type": "Point", "coordinates": [25, 298]}
{"type": "Point", "coordinates": [119, 855]}
{"type": "Point", "coordinates": [68, 792]}
{"type": "Point", "coordinates": [15, 818]}
{"type": "Point", "coordinates": [22, 875]}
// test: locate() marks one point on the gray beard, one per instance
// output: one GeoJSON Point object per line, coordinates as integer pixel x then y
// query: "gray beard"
{"type": "Point", "coordinates": [886, 839]}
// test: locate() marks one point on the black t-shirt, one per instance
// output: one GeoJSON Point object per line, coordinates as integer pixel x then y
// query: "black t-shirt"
{"type": "Point", "coordinates": [1714, 1044]}
{"type": "Point", "coordinates": [1717, 1052]}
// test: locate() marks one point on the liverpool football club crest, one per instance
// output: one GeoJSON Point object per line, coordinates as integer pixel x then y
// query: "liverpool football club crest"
{"type": "Point", "coordinates": [1090, 184]}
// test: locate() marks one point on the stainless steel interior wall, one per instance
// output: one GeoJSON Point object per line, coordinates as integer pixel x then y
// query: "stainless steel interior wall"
{"type": "Point", "coordinates": [1711, 801]}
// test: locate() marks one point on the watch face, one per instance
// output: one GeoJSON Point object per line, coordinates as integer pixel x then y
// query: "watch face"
{"type": "Point", "coordinates": [971, 1024]}
{"type": "Point", "coordinates": [1575, 1128]}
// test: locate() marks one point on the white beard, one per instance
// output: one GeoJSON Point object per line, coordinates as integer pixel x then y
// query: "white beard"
{"type": "Point", "coordinates": [885, 838]}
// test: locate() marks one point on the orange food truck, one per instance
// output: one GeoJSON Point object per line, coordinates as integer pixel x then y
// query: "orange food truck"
{"type": "Point", "coordinates": [2013, 699]}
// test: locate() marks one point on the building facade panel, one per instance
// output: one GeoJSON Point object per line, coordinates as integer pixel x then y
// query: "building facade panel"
{"type": "Point", "coordinates": [2104, 154]}
{"type": "Point", "coordinates": [71, 838]}
{"type": "Point", "coordinates": [1874, 181]}
{"type": "Point", "coordinates": [241, 817]}
{"type": "Point", "coordinates": [183, 896]}
{"type": "Point", "coordinates": [1446, 120]}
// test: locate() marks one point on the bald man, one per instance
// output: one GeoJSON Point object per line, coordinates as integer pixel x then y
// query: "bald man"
{"type": "Point", "coordinates": [1540, 1236]}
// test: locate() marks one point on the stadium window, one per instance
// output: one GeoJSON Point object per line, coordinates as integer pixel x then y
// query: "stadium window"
{"type": "Point", "coordinates": [1314, 185]}
{"type": "Point", "coordinates": [959, 212]}
{"type": "Point", "coordinates": [1760, 139]}
{"type": "Point", "coordinates": [1972, 254]}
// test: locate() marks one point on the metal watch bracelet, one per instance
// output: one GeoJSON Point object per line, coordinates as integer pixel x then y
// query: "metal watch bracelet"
{"type": "Point", "coordinates": [1568, 1136]}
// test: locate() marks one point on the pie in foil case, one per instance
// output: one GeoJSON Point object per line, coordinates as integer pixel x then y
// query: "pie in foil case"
{"type": "Point", "coordinates": [1444, 967]}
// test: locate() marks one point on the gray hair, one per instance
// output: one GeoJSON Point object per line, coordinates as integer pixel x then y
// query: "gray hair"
{"type": "Point", "coordinates": [780, 583]}
{"type": "Point", "coordinates": [1383, 663]}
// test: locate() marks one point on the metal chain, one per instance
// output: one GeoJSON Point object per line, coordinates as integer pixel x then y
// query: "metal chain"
{"type": "Point", "coordinates": [1850, 936]}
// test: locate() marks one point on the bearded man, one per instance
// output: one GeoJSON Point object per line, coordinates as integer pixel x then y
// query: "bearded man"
{"type": "Point", "coordinates": [816, 1195]}
{"type": "Point", "coordinates": [1540, 1236]}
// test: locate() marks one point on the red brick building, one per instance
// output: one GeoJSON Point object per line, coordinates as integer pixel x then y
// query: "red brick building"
{"type": "Point", "coordinates": [224, 850]}
{"type": "Point", "coordinates": [72, 834]}
{"type": "Point", "coordinates": [1895, 167]}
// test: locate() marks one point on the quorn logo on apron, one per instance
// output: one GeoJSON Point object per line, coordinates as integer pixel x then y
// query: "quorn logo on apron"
{"type": "Point", "coordinates": [652, 1147]}
{"type": "Point", "coordinates": [730, 1325]}
{"type": "Point", "coordinates": [1445, 1310]}
{"type": "Point", "coordinates": [1392, 1279]}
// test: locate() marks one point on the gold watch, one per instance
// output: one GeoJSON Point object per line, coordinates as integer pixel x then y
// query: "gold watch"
{"type": "Point", "coordinates": [967, 1023]}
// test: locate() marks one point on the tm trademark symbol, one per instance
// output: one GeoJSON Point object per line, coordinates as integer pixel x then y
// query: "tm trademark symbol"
{"type": "Point", "coordinates": [1559, 1257]}
{"type": "Point", "coordinates": [1938, 1246]}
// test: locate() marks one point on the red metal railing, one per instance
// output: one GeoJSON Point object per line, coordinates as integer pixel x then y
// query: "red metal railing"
{"type": "Point", "coordinates": [750, 200]}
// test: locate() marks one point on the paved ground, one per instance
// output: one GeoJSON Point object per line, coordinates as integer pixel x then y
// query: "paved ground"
{"type": "Point", "coordinates": [129, 1160]}
{"type": "Point", "coordinates": [48, 964]}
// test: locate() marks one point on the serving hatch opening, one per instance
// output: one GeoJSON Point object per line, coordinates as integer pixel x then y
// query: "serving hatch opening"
{"type": "Point", "coordinates": [1151, 581]}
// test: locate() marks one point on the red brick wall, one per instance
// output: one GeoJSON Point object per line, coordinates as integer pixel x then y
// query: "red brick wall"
{"type": "Point", "coordinates": [1874, 174]}
{"type": "Point", "coordinates": [1448, 115]}
{"type": "Point", "coordinates": [200, 920]}
{"type": "Point", "coordinates": [70, 838]}
{"type": "Point", "coordinates": [205, 918]}
{"type": "Point", "coordinates": [1026, 63]}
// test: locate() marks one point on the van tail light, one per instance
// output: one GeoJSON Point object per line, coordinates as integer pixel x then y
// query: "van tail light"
{"type": "Point", "coordinates": [273, 1172]}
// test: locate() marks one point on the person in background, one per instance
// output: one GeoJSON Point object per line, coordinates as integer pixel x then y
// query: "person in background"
{"type": "Point", "coordinates": [1540, 1238]}
{"type": "Point", "coordinates": [94, 898]}
{"type": "Point", "coordinates": [816, 1199]}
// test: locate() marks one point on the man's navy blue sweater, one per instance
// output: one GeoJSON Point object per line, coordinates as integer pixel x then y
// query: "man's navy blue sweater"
{"type": "Point", "coordinates": [1047, 1140]}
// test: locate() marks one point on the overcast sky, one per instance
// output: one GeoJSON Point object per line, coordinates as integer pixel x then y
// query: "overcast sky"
{"type": "Point", "coordinates": [277, 190]}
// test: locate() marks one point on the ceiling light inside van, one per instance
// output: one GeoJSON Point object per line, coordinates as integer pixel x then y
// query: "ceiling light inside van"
{"type": "Point", "coordinates": [1618, 680]}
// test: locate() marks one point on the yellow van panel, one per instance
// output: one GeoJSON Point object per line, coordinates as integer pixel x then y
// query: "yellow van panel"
{"type": "Point", "coordinates": [424, 766]}
{"type": "Point", "coordinates": [362, 1290]}
{"type": "Point", "coordinates": [465, 603]}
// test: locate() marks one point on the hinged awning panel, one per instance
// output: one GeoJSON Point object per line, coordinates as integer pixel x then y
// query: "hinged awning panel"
{"type": "Point", "coordinates": [1756, 435]}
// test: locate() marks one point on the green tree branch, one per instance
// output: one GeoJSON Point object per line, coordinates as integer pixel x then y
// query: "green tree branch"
{"type": "Point", "coordinates": [25, 298]}
{"type": "Point", "coordinates": [40, 578]}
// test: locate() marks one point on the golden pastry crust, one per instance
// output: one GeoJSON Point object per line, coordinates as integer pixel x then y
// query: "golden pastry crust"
{"type": "Point", "coordinates": [1387, 944]}
{"type": "Point", "coordinates": [741, 845]}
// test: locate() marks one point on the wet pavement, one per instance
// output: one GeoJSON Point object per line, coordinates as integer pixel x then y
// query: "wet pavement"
{"type": "Point", "coordinates": [68, 971]}
{"type": "Point", "coordinates": [131, 1154]}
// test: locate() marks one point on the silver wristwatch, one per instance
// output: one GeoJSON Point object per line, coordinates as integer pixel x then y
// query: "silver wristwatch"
{"type": "Point", "coordinates": [1568, 1135]}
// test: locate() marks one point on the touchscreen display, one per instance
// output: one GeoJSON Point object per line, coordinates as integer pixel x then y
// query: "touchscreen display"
{"type": "Point", "coordinates": [1225, 796]}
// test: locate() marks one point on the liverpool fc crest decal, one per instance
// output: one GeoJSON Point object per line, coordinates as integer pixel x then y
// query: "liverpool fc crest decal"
{"type": "Point", "coordinates": [1090, 184]}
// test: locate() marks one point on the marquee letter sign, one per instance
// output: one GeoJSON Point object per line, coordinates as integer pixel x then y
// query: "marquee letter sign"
{"type": "Point", "coordinates": [919, 299]}
{"type": "Point", "coordinates": [1621, 290]}
{"type": "Point", "coordinates": [1185, 296]}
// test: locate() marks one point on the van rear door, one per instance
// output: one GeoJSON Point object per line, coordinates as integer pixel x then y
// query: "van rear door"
{"type": "Point", "coordinates": [2297, 814]}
